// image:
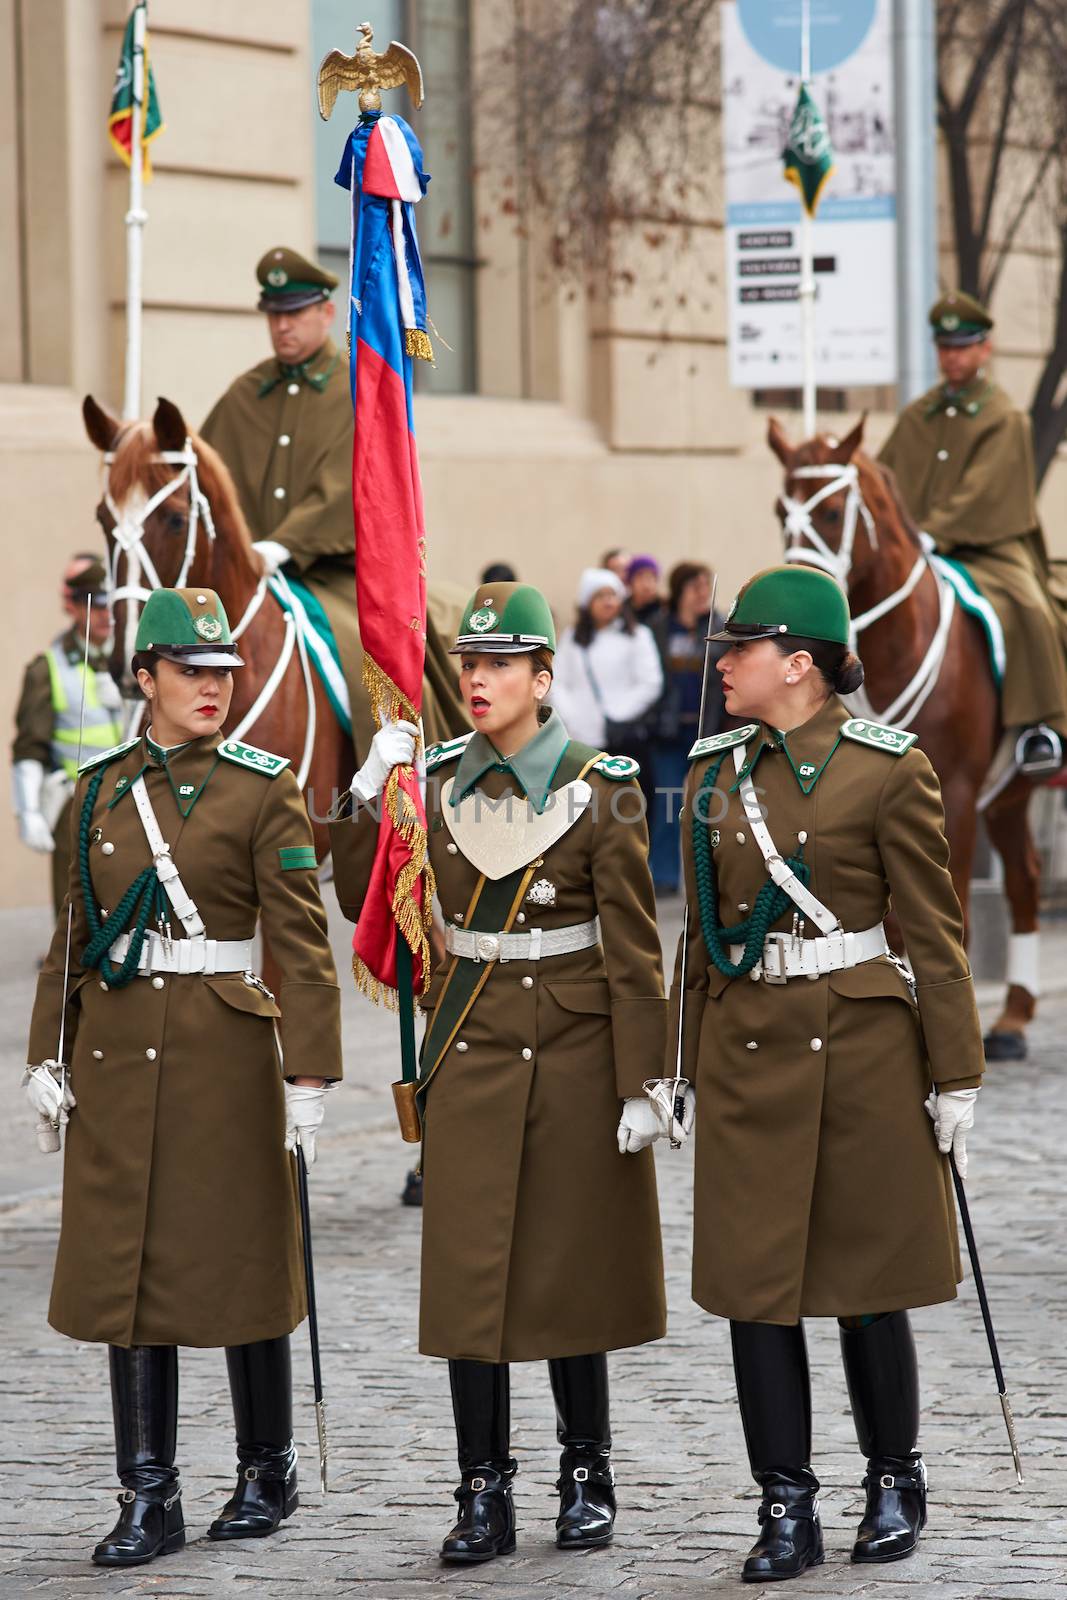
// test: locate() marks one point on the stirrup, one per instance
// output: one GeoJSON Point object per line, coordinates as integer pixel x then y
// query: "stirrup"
{"type": "Point", "coordinates": [1044, 765]}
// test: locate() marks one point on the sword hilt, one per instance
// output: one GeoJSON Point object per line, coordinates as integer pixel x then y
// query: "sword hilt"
{"type": "Point", "coordinates": [1009, 1423]}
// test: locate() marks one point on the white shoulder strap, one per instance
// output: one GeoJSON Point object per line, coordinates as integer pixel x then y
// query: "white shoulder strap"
{"type": "Point", "coordinates": [185, 908]}
{"type": "Point", "coordinates": [780, 872]}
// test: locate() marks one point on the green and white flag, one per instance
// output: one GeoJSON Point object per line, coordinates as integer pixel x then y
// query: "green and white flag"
{"type": "Point", "coordinates": [121, 115]}
{"type": "Point", "coordinates": [808, 155]}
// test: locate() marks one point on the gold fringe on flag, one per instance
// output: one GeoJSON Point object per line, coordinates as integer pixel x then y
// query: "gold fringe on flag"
{"type": "Point", "coordinates": [417, 344]}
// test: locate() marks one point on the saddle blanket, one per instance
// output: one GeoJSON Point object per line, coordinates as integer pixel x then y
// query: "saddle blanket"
{"type": "Point", "coordinates": [297, 600]}
{"type": "Point", "coordinates": [974, 602]}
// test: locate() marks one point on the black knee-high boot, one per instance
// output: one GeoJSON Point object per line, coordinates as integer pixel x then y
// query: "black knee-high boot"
{"type": "Point", "coordinates": [883, 1385]}
{"type": "Point", "coordinates": [261, 1384]}
{"type": "Point", "coordinates": [144, 1398]}
{"type": "Point", "coordinates": [774, 1393]}
{"type": "Point", "coordinates": [583, 1427]}
{"type": "Point", "coordinates": [481, 1403]}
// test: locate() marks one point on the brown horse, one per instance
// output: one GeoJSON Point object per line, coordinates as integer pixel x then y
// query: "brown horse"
{"type": "Point", "coordinates": [926, 665]}
{"type": "Point", "coordinates": [179, 542]}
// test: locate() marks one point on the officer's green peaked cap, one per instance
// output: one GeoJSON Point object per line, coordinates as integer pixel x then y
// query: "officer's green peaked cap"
{"type": "Point", "coordinates": [794, 600]}
{"type": "Point", "coordinates": [959, 318]}
{"type": "Point", "coordinates": [504, 619]}
{"type": "Point", "coordinates": [188, 623]}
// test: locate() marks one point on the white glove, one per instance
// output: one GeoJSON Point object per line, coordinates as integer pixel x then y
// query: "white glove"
{"type": "Point", "coordinates": [272, 554]}
{"type": "Point", "coordinates": [662, 1095]}
{"type": "Point", "coordinates": [27, 779]}
{"type": "Point", "coordinates": [392, 746]}
{"type": "Point", "coordinates": [52, 1101]}
{"type": "Point", "coordinates": [953, 1117]}
{"type": "Point", "coordinates": [640, 1125]}
{"type": "Point", "coordinates": [305, 1107]}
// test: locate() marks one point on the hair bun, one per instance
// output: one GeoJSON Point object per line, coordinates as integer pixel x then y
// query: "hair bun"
{"type": "Point", "coordinates": [849, 675]}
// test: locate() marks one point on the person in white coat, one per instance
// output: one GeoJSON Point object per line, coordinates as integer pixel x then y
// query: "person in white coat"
{"type": "Point", "coordinates": [609, 676]}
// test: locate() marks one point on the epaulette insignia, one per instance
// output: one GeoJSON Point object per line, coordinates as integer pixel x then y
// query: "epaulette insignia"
{"type": "Point", "coordinates": [723, 741]}
{"type": "Point", "coordinates": [249, 755]}
{"type": "Point", "coordinates": [617, 768]}
{"type": "Point", "coordinates": [108, 755]}
{"type": "Point", "coordinates": [447, 750]}
{"type": "Point", "coordinates": [894, 741]}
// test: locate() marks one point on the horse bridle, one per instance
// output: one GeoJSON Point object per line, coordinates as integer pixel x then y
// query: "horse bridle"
{"type": "Point", "coordinates": [128, 537]}
{"type": "Point", "coordinates": [797, 526]}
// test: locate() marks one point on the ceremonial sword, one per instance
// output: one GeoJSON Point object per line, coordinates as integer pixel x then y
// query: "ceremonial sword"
{"type": "Point", "coordinates": [979, 1283]}
{"type": "Point", "coordinates": [313, 1316]}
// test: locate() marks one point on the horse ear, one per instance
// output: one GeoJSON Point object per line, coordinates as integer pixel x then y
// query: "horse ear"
{"type": "Point", "coordinates": [844, 451]}
{"type": "Point", "coordinates": [169, 426]}
{"type": "Point", "coordinates": [779, 443]}
{"type": "Point", "coordinates": [103, 429]}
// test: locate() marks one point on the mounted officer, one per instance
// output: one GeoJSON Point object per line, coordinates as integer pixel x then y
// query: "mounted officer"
{"type": "Point", "coordinates": [50, 715]}
{"type": "Point", "coordinates": [180, 1222]}
{"type": "Point", "coordinates": [284, 429]}
{"type": "Point", "coordinates": [963, 460]}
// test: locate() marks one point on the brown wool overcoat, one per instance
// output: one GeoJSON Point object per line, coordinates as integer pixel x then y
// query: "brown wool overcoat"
{"type": "Point", "coordinates": [539, 1239]}
{"type": "Point", "coordinates": [180, 1223]}
{"type": "Point", "coordinates": [818, 1188]}
{"type": "Point", "coordinates": [964, 465]}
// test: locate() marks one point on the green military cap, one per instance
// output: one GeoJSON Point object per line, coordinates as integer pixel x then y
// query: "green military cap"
{"type": "Point", "coordinates": [794, 600]}
{"type": "Point", "coordinates": [289, 281]}
{"type": "Point", "coordinates": [90, 579]}
{"type": "Point", "coordinates": [188, 626]}
{"type": "Point", "coordinates": [505, 619]}
{"type": "Point", "coordinates": [959, 318]}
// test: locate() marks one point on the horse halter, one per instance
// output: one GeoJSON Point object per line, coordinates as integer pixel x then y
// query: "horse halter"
{"type": "Point", "coordinates": [128, 537]}
{"type": "Point", "coordinates": [798, 524]}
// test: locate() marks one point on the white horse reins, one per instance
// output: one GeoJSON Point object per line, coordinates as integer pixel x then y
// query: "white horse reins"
{"type": "Point", "coordinates": [128, 535]}
{"type": "Point", "coordinates": [838, 563]}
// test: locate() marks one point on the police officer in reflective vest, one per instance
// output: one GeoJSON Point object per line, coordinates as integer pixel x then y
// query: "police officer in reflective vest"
{"type": "Point", "coordinates": [820, 1189]}
{"type": "Point", "coordinates": [45, 748]}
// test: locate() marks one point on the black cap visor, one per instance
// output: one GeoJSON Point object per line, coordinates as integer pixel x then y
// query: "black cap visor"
{"type": "Point", "coordinates": [740, 632]}
{"type": "Point", "coordinates": [199, 655]}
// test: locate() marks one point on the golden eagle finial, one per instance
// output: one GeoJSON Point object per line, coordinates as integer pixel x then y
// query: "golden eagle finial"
{"type": "Point", "coordinates": [368, 72]}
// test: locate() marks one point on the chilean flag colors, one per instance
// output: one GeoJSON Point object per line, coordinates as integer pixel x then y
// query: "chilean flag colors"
{"type": "Point", "coordinates": [382, 170]}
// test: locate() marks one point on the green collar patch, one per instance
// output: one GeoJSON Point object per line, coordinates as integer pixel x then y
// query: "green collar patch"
{"type": "Point", "coordinates": [969, 400]}
{"type": "Point", "coordinates": [723, 741]}
{"type": "Point", "coordinates": [304, 373]}
{"type": "Point", "coordinates": [534, 766]}
{"type": "Point", "coordinates": [447, 750]}
{"type": "Point", "coordinates": [893, 741]}
{"type": "Point", "coordinates": [251, 757]}
{"type": "Point", "coordinates": [106, 756]}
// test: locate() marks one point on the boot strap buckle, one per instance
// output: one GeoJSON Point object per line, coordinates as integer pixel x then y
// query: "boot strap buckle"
{"type": "Point", "coordinates": [175, 1497]}
{"type": "Point", "coordinates": [580, 1474]}
{"type": "Point", "coordinates": [778, 1509]}
{"type": "Point", "coordinates": [478, 1484]}
{"type": "Point", "coordinates": [127, 1496]}
{"type": "Point", "coordinates": [887, 1481]}
{"type": "Point", "coordinates": [251, 1474]}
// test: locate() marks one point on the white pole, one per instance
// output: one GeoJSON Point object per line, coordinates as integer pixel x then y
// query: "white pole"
{"type": "Point", "coordinates": [915, 61]}
{"type": "Point", "coordinates": [136, 217]}
{"type": "Point", "coordinates": [807, 267]}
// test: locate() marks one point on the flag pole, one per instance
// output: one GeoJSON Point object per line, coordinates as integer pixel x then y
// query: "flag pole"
{"type": "Point", "coordinates": [807, 267]}
{"type": "Point", "coordinates": [136, 217]}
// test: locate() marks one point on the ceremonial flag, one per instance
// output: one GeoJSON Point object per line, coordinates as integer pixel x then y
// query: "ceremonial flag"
{"type": "Point", "coordinates": [382, 170]}
{"type": "Point", "coordinates": [808, 154]}
{"type": "Point", "coordinates": [121, 115]}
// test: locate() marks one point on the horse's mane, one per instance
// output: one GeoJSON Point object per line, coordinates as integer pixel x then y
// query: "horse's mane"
{"type": "Point", "coordinates": [892, 488]}
{"type": "Point", "coordinates": [136, 463]}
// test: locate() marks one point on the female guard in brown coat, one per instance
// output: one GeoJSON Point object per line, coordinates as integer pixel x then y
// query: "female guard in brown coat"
{"type": "Point", "coordinates": [819, 1187]}
{"type": "Point", "coordinates": [540, 1240]}
{"type": "Point", "coordinates": [180, 1222]}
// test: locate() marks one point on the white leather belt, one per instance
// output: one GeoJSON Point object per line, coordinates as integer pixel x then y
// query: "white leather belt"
{"type": "Point", "coordinates": [534, 945]}
{"type": "Point", "coordinates": [184, 957]}
{"type": "Point", "coordinates": [785, 957]}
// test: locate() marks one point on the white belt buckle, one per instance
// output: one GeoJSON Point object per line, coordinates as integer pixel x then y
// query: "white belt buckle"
{"type": "Point", "coordinates": [487, 947]}
{"type": "Point", "coordinates": [773, 958]}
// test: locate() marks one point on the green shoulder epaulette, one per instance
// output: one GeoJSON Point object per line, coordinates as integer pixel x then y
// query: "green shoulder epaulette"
{"type": "Point", "coordinates": [894, 741]}
{"type": "Point", "coordinates": [249, 755]}
{"type": "Point", "coordinates": [108, 755]}
{"type": "Point", "coordinates": [723, 741]}
{"type": "Point", "coordinates": [447, 750]}
{"type": "Point", "coordinates": [618, 768]}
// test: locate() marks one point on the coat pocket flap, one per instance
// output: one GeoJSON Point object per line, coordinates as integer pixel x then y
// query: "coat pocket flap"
{"type": "Point", "coordinates": [428, 1000]}
{"type": "Point", "coordinates": [242, 996]}
{"type": "Point", "coordinates": [718, 981]}
{"type": "Point", "coordinates": [581, 994]}
{"type": "Point", "coordinates": [871, 980]}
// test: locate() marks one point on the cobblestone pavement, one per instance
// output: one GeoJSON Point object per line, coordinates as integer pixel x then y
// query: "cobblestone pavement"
{"type": "Point", "coordinates": [687, 1511]}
